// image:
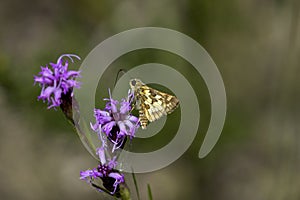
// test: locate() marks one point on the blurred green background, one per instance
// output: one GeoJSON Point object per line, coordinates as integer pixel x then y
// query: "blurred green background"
{"type": "Point", "coordinates": [256, 46]}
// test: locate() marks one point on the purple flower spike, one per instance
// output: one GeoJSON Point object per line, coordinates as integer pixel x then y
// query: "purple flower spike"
{"type": "Point", "coordinates": [110, 177]}
{"type": "Point", "coordinates": [57, 80]}
{"type": "Point", "coordinates": [116, 121]}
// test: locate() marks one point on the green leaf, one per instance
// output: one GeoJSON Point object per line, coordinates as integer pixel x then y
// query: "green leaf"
{"type": "Point", "coordinates": [136, 185]}
{"type": "Point", "coordinates": [149, 192]}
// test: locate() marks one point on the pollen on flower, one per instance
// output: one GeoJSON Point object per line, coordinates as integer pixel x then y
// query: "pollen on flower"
{"type": "Point", "coordinates": [57, 81]}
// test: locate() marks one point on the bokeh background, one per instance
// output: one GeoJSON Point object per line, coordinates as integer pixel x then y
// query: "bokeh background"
{"type": "Point", "coordinates": [256, 46]}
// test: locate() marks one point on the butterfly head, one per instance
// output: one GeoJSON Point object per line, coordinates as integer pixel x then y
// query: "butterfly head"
{"type": "Point", "coordinates": [135, 83]}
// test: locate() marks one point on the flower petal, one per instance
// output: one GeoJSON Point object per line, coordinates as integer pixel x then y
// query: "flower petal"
{"type": "Point", "coordinates": [122, 127]}
{"type": "Point", "coordinates": [101, 153]}
{"type": "Point", "coordinates": [108, 127]}
{"type": "Point", "coordinates": [119, 178]}
{"type": "Point", "coordinates": [125, 107]}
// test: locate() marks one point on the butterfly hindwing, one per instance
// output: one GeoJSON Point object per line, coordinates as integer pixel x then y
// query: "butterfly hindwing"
{"type": "Point", "coordinates": [171, 103]}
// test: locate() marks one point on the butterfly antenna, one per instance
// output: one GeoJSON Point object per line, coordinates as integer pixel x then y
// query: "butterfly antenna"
{"type": "Point", "coordinates": [119, 75]}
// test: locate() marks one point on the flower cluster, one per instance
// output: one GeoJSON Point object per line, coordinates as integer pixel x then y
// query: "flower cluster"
{"type": "Point", "coordinates": [105, 171]}
{"type": "Point", "coordinates": [57, 81]}
{"type": "Point", "coordinates": [116, 121]}
{"type": "Point", "coordinates": [113, 124]}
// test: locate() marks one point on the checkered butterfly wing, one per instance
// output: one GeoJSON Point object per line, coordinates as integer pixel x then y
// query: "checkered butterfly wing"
{"type": "Point", "coordinates": [152, 104]}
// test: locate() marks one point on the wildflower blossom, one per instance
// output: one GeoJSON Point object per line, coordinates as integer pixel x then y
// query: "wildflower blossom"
{"type": "Point", "coordinates": [57, 81]}
{"type": "Point", "coordinates": [116, 121]}
{"type": "Point", "coordinates": [105, 171]}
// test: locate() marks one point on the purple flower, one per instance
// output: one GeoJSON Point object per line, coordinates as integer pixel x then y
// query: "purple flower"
{"type": "Point", "coordinates": [105, 171]}
{"type": "Point", "coordinates": [57, 81]}
{"type": "Point", "coordinates": [116, 121]}
{"type": "Point", "coordinates": [119, 178]}
{"type": "Point", "coordinates": [90, 174]}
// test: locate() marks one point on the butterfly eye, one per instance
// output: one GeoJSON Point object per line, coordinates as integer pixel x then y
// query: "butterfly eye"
{"type": "Point", "coordinates": [133, 82]}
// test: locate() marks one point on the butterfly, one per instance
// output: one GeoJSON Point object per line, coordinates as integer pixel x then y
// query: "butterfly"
{"type": "Point", "coordinates": [151, 104]}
